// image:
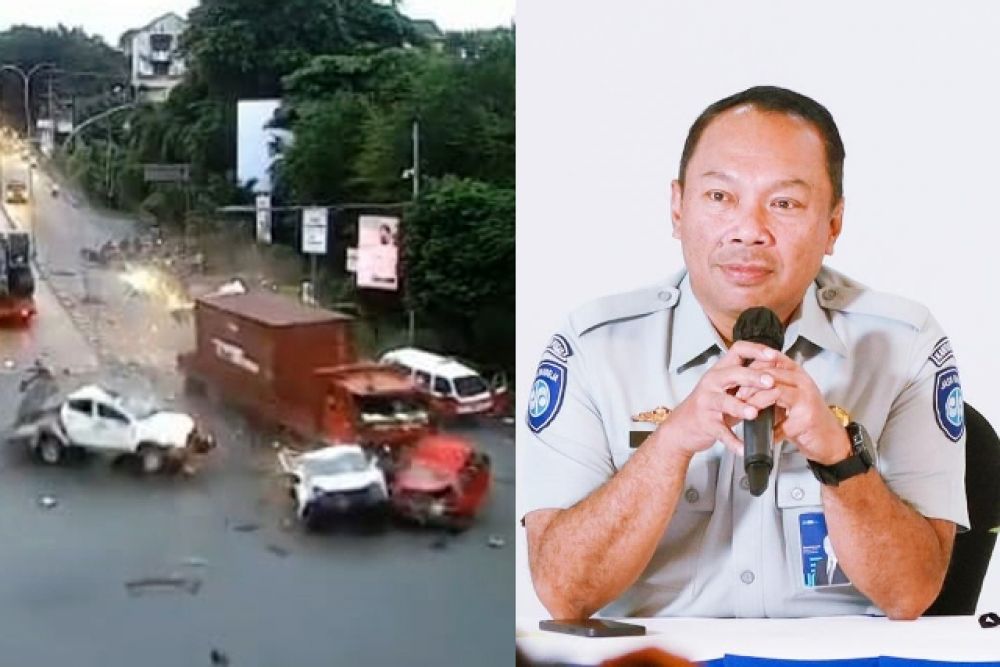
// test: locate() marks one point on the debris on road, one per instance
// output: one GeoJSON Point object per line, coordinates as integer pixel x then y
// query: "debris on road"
{"type": "Point", "coordinates": [246, 527]}
{"type": "Point", "coordinates": [234, 286]}
{"type": "Point", "coordinates": [496, 542]}
{"type": "Point", "coordinates": [195, 561]}
{"type": "Point", "coordinates": [138, 586]}
{"type": "Point", "coordinates": [47, 502]}
{"type": "Point", "coordinates": [278, 550]}
{"type": "Point", "coordinates": [218, 658]}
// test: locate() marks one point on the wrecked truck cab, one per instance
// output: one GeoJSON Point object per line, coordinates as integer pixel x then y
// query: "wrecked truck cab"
{"type": "Point", "coordinates": [96, 420]}
{"type": "Point", "coordinates": [374, 406]}
{"type": "Point", "coordinates": [443, 481]}
{"type": "Point", "coordinates": [335, 483]}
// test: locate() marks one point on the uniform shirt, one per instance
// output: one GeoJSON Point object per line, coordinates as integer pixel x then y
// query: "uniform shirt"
{"type": "Point", "coordinates": [725, 553]}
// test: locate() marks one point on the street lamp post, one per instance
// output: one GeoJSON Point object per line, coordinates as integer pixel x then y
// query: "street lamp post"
{"type": "Point", "coordinates": [26, 78]}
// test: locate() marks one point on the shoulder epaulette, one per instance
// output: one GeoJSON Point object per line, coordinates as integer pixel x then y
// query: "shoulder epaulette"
{"type": "Point", "coordinates": [624, 306]}
{"type": "Point", "coordinates": [864, 301]}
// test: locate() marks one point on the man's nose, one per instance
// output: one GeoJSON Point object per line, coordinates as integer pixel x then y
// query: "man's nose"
{"type": "Point", "coordinates": [750, 227]}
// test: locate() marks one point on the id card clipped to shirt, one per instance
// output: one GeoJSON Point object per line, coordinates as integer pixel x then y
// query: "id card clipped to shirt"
{"type": "Point", "coordinates": [820, 567]}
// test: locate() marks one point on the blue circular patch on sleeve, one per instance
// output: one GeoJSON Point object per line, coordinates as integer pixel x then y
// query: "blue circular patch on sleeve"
{"type": "Point", "coordinates": [949, 406]}
{"type": "Point", "coordinates": [546, 394]}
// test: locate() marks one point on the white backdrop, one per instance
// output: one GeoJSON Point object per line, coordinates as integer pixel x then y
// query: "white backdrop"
{"type": "Point", "coordinates": [607, 91]}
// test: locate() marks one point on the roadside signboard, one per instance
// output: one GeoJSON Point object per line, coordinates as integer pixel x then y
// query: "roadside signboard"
{"type": "Point", "coordinates": [378, 254]}
{"type": "Point", "coordinates": [166, 173]}
{"type": "Point", "coordinates": [314, 225]}
{"type": "Point", "coordinates": [263, 208]}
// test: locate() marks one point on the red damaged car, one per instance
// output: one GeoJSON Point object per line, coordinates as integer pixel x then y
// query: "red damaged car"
{"type": "Point", "coordinates": [441, 481]}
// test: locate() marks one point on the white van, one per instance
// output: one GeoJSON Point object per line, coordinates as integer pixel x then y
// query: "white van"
{"type": "Point", "coordinates": [452, 387]}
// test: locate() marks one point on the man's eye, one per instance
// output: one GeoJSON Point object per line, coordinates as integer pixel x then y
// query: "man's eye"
{"type": "Point", "coordinates": [716, 195]}
{"type": "Point", "coordinates": [785, 204]}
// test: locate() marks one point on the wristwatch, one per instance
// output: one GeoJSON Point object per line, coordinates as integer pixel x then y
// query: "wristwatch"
{"type": "Point", "coordinates": [862, 456]}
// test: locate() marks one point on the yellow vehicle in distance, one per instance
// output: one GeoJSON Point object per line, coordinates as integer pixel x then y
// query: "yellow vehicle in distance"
{"type": "Point", "coordinates": [16, 192]}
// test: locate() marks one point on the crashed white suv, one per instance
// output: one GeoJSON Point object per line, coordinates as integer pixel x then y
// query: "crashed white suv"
{"type": "Point", "coordinates": [99, 421]}
{"type": "Point", "coordinates": [335, 482]}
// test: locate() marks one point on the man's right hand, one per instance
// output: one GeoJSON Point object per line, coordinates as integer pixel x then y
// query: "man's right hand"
{"type": "Point", "coordinates": [712, 409]}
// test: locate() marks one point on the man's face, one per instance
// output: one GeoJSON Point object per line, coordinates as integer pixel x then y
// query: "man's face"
{"type": "Point", "coordinates": [755, 215]}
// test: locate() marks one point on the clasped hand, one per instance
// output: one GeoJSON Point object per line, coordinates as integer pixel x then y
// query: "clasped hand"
{"type": "Point", "coordinates": [747, 379]}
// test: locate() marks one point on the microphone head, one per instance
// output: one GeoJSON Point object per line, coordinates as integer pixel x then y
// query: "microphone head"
{"type": "Point", "coordinates": [760, 325]}
{"type": "Point", "coordinates": [757, 475]}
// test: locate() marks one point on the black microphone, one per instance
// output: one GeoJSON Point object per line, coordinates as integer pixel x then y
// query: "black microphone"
{"type": "Point", "coordinates": [759, 325]}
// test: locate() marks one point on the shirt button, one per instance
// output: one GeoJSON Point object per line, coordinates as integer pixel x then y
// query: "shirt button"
{"type": "Point", "coordinates": [798, 494]}
{"type": "Point", "coordinates": [664, 295]}
{"type": "Point", "coordinates": [691, 495]}
{"type": "Point", "coordinates": [744, 483]}
{"type": "Point", "coordinates": [829, 294]}
{"type": "Point", "coordinates": [747, 577]}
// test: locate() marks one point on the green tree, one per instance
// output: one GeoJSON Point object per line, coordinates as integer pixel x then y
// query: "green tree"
{"type": "Point", "coordinates": [459, 265]}
{"type": "Point", "coordinates": [243, 48]}
{"type": "Point", "coordinates": [464, 103]}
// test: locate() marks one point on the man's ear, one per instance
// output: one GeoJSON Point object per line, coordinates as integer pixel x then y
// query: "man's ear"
{"type": "Point", "coordinates": [676, 204]}
{"type": "Point", "coordinates": [836, 225]}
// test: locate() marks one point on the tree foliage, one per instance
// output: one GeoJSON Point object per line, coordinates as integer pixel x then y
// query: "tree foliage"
{"type": "Point", "coordinates": [459, 261]}
{"type": "Point", "coordinates": [245, 47]}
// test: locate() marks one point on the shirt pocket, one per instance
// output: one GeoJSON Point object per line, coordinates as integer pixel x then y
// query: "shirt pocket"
{"type": "Point", "coordinates": [676, 560]}
{"type": "Point", "coordinates": [797, 492]}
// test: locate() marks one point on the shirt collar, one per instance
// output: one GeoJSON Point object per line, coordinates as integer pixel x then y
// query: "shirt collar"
{"type": "Point", "coordinates": [694, 335]}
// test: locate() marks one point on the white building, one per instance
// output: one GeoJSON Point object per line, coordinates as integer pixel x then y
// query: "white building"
{"type": "Point", "coordinates": [156, 63]}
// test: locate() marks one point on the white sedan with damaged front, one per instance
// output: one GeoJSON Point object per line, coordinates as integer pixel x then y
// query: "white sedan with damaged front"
{"type": "Point", "coordinates": [98, 421]}
{"type": "Point", "coordinates": [336, 483]}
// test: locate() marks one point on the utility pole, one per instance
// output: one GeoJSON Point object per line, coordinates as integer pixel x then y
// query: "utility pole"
{"type": "Point", "coordinates": [416, 159]}
{"type": "Point", "coordinates": [107, 163]}
{"type": "Point", "coordinates": [412, 328]}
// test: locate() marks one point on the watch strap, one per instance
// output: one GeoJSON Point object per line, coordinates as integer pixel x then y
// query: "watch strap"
{"type": "Point", "coordinates": [856, 464]}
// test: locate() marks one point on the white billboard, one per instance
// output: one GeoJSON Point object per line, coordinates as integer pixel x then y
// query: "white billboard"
{"type": "Point", "coordinates": [378, 254]}
{"type": "Point", "coordinates": [257, 146]}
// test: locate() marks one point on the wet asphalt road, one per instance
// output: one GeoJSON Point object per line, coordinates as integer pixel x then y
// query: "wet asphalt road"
{"type": "Point", "coordinates": [261, 590]}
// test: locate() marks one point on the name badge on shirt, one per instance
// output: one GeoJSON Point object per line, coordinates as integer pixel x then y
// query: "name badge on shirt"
{"type": "Point", "coordinates": [820, 567]}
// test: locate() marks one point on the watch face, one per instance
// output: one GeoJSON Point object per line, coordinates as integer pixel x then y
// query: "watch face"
{"type": "Point", "coordinates": [862, 443]}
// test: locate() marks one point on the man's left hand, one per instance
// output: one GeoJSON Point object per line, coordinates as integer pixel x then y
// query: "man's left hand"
{"type": "Point", "coordinates": [801, 416]}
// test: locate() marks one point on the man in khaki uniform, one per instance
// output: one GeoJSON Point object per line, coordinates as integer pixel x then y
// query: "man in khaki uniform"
{"type": "Point", "coordinates": [633, 477]}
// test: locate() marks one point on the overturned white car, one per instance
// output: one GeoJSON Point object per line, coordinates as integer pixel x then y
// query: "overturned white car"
{"type": "Point", "coordinates": [96, 420]}
{"type": "Point", "coordinates": [335, 482]}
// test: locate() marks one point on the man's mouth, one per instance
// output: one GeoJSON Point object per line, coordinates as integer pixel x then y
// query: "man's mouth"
{"type": "Point", "coordinates": [745, 275]}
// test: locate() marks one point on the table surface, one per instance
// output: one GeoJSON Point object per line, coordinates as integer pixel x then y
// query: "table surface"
{"type": "Point", "coordinates": [946, 639]}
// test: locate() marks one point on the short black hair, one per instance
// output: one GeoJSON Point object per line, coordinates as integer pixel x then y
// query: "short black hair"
{"type": "Point", "coordinates": [772, 99]}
